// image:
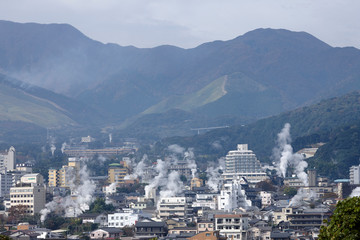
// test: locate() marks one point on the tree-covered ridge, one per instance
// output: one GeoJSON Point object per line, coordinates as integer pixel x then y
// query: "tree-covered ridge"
{"type": "Point", "coordinates": [334, 121]}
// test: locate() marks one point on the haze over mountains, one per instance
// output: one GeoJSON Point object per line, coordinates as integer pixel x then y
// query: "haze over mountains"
{"type": "Point", "coordinates": [262, 73]}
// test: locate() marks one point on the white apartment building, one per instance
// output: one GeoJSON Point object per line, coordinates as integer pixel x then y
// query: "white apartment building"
{"type": "Point", "coordinates": [205, 200]}
{"type": "Point", "coordinates": [232, 226]}
{"type": "Point", "coordinates": [175, 207]}
{"type": "Point", "coordinates": [266, 198]}
{"type": "Point", "coordinates": [355, 175]}
{"type": "Point", "coordinates": [122, 219]}
{"type": "Point", "coordinates": [30, 192]}
{"type": "Point", "coordinates": [242, 160]}
{"type": "Point", "coordinates": [232, 196]}
{"type": "Point", "coordinates": [8, 159]}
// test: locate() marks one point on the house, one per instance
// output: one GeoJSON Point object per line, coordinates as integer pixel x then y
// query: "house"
{"type": "Point", "coordinates": [182, 230]}
{"type": "Point", "coordinates": [24, 235]}
{"type": "Point", "coordinates": [205, 226]}
{"type": "Point", "coordinates": [149, 227]}
{"type": "Point", "coordinates": [208, 235]}
{"type": "Point", "coordinates": [279, 236]}
{"type": "Point", "coordinates": [106, 233]}
{"type": "Point", "coordinates": [98, 218]}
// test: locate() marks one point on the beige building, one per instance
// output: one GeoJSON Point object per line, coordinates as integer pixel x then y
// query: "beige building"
{"type": "Point", "coordinates": [68, 174]}
{"type": "Point", "coordinates": [30, 192]}
{"type": "Point", "coordinates": [117, 173]}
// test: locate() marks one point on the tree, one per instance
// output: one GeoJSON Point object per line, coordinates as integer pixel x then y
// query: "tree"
{"type": "Point", "coordinates": [290, 191]}
{"type": "Point", "coordinates": [266, 186]}
{"type": "Point", "coordinates": [345, 222]}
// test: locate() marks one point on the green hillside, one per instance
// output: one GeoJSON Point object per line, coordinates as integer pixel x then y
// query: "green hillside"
{"type": "Point", "coordinates": [20, 106]}
{"type": "Point", "coordinates": [188, 102]}
{"type": "Point", "coordinates": [332, 121]}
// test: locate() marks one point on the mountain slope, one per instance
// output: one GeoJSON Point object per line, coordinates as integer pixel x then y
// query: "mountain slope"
{"type": "Point", "coordinates": [269, 71]}
{"type": "Point", "coordinates": [22, 102]}
{"type": "Point", "coordinates": [333, 121]}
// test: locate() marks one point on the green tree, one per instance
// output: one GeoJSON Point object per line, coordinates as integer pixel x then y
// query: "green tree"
{"type": "Point", "coordinates": [290, 191]}
{"type": "Point", "coordinates": [100, 206]}
{"type": "Point", "coordinates": [345, 222]}
{"type": "Point", "coordinates": [266, 186]}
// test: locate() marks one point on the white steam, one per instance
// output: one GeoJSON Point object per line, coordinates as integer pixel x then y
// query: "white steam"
{"type": "Point", "coordinates": [189, 157]}
{"type": "Point", "coordinates": [82, 189]}
{"type": "Point", "coordinates": [63, 146]}
{"type": "Point", "coordinates": [285, 157]}
{"type": "Point", "coordinates": [355, 192]}
{"type": "Point", "coordinates": [139, 169]}
{"type": "Point", "coordinates": [110, 137]}
{"type": "Point", "coordinates": [160, 180]}
{"type": "Point", "coordinates": [214, 176]}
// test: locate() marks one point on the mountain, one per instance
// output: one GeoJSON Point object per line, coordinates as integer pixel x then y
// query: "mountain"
{"type": "Point", "coordinates": [22, 102]}
{"type": "Point", "coordinates": [335, 122]}
{"type": "Point", "coordinates": [259, 74]}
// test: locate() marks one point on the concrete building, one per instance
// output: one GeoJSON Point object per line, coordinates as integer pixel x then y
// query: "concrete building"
{"type": "Point", "coordinates": [266, 198]}
{"type": "Point", "coordinates": [179, 207]}
{"type": "Point", "coordinates": [6, 182]}
{"type": "Point", "coordinates": [8, 160]}
{"type": "Point", "coordinates": [242, 160]}
{"type": "Point", "coordinates": [232, 196]}
{"type": "Point", "coordinates": [355, 175]}
{"type": "Point", "coordinates": [312, 177]}
{"type": "Point", "coordinates": [232, 226]}
{"type": "Point", "coordinates": [30, 192]}
{"type": "Point", "coordinates": [122, 219]}
{"type": "Point", "coordinates": [182, 168]}
{"type": "Point", "coordinates": [67, 175]}
{"type": "Point", "coordinates": [117, 173]}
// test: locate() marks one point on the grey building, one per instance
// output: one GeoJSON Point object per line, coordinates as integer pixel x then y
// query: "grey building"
{"type": "Point", "coordinates": [242, 160]}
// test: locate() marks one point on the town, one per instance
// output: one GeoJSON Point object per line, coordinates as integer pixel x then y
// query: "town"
{"type": "Point", "coordinates": [236, 197]}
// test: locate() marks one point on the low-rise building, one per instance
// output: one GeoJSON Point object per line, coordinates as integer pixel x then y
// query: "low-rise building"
{"type": "Point", "coordinates": [29, 194]}
{"type": "Point", "coordinates": [106, 233]}
{"type": "Point", "coordinates": [122, 219]}
{"type": "Point", "coordinates": [232, 226]}
{"type": "Point", "coordinates": [148, 227]}
{"type": "Point", "coordinates": [179, 207]}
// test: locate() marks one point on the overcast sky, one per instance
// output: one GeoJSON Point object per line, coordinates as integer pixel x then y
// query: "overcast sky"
{"type": "Point", "coordinates": [188, 23]}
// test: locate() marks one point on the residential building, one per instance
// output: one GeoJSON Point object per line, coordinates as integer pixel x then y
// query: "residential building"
{"type": "Point", "coordinates": [232, 196]}
{"type": "Point", "coordinates": [8, 159]}
{"type": "Point", "coordinates": [208, 235]}
{"type": "Point", "coordinates": [312, 177]}
{"type": "Point", "coordinates": [122, 219]}
{"type": "Point", "coordinates": [266, 198]}
{"type": "Point", "coordinates": [67, 174]}
{"type": "Point", "coordinates": [205, 226]}
{"type": "Point", "coordinates": [182, 168]}
{"type": "Point", "coordinates": [313, 218]}
{"type": "Point", "coordinates": [98, 218]}
{"type": "Point", "coordinates": [179, 207]}
{"type": "Point", "coordinates": [117, 173]}
{"type": "Point", "coordinates": [232, 226]}
{"type": "Point", "coordinates": [355, 175]}
{"type": "Point", "coordinates": [30, 192]}
{"type": "Point", "coordinates": [6, 182]}
{"type": "Point", "coordinates": [106, 233]}
{"type": "Point", "coordinates": [205, 200]}
{"type": "Point", "coordinates": [149, 227]}
{"type": "Point", "coordinates": [196, 183]}
{"type": "Point", "coordinates": [242, 160]}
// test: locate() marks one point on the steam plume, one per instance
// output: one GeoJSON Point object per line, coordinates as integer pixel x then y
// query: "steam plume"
{"type": "Point", "coordinates": [214, 175]}
{"type": "Point", "coordinates": [355, 192]}
{"type": "Point", "coordinates": [80, 200]}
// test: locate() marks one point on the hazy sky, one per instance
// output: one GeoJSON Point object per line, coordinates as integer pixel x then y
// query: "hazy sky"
{"type": "Point", "coordinates": [188, 23]}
